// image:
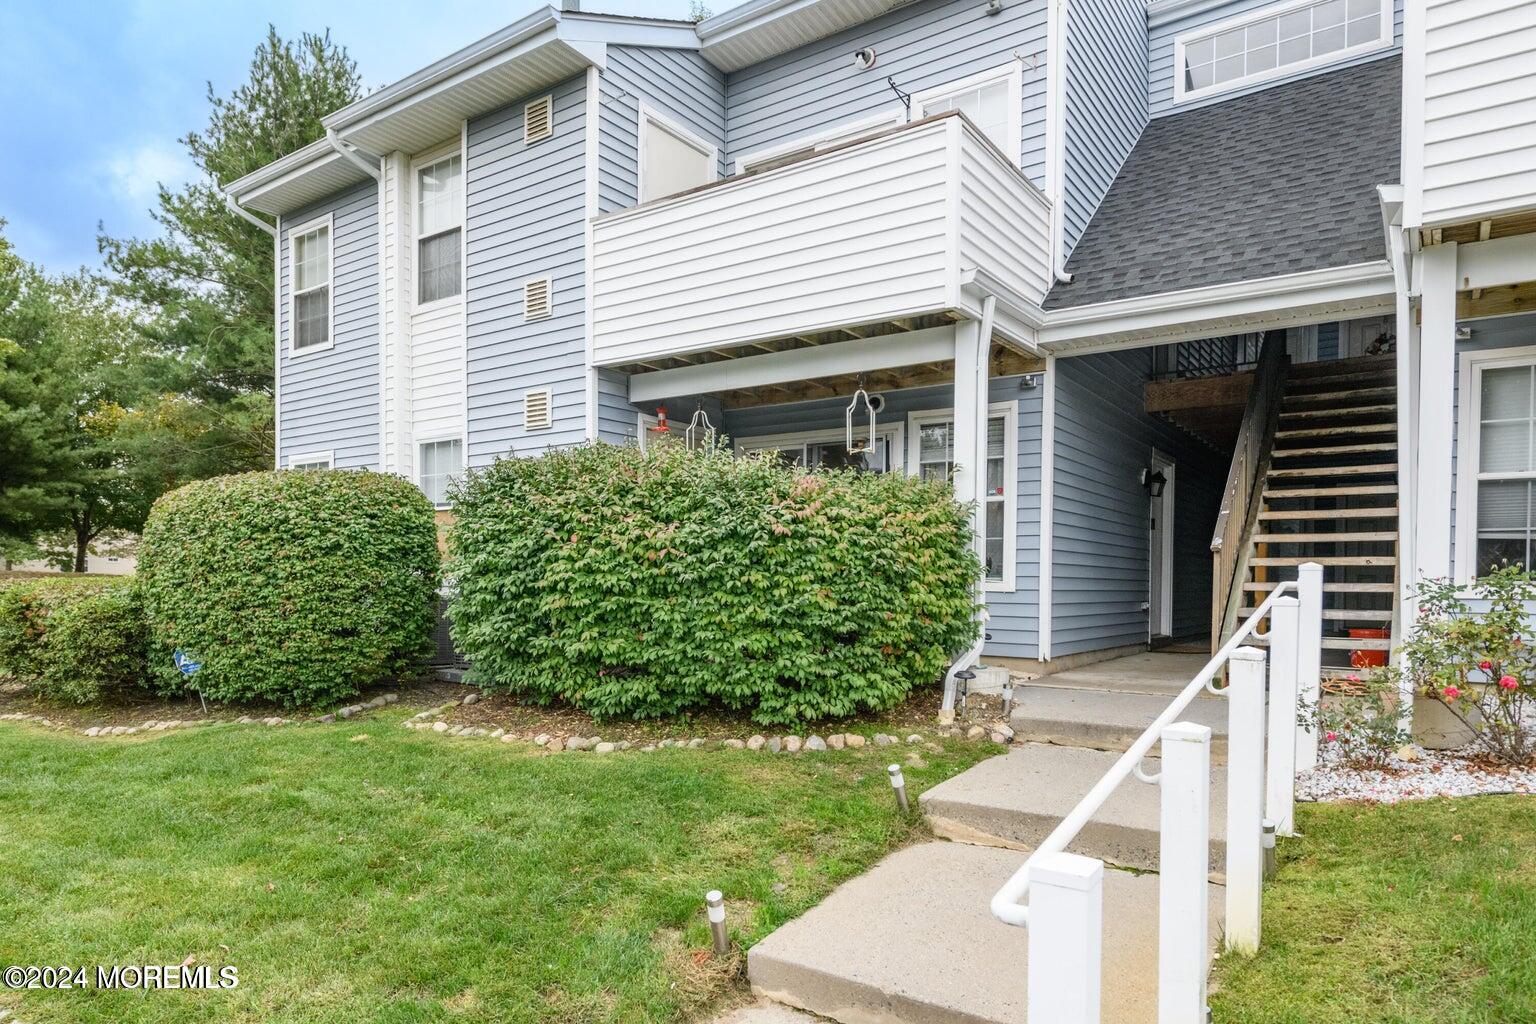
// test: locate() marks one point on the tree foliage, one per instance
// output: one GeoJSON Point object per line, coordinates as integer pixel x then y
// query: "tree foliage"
{"type": "Point", "coordinates": [208, 279]}
{"type": "Point", "coordinates": [640, 584]}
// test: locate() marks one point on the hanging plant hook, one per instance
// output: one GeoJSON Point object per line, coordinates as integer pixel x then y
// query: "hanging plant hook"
{"type": "Point", "coordinates": [859, 446]}
{"type": "Point", "coordinates": [699, 428]}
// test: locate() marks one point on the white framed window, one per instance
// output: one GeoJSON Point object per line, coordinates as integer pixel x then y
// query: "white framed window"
{"type": "Point", "coordinates": [311, 302]}
{"type": "Point", "coordinates": [442, 463]}
{"type": "Point", "coordinates": [1277, 41]}
{"type": "Point", "coordinates": [672, 158]}
{"type": "Point", "coordinates": [931, 455]}
{"type": "Point", "coordinates": [312, 460]}
{"type": "Point", "coordinates": [1496, 461]}
{"type": "Point", "coordinates": [829, 449]}
{"type": "Point", "coordinates": [993, 100]}
{"type": "Point", "coordinates": [439, 228]}
{"type": "Point", "coordinates": [817, 141]}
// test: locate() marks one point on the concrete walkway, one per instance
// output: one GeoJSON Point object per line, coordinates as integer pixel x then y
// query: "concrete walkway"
{"type": "Point", "coordinates": [1148, 672]}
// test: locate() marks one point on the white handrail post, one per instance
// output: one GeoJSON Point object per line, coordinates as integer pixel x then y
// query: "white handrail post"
{"type": "Point", "coordinates": [1184, 866]}
{"type": "Point", "coordinates": [1284, 655]}
{"type": "Point", "coordinates": [1066, 936]}
{"type": "Point", "coordinates": [1309, 657]}
{"type": "Point", "coordinates": [1245, 798]}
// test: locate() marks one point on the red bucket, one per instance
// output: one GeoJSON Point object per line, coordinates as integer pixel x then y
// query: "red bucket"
{"type": "Point", "coordinates": [1368, 659]}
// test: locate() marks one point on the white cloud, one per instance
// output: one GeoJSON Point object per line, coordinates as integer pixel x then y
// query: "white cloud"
{"type": "Point", "coordinates": [134, 176]}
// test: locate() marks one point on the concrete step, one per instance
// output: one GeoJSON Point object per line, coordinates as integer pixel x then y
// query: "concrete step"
{"type": "Point", "coordinates": [1016, 799]}
{"type": "Point", "coordinates": [912, 941]}
{"type": "Point", "coordinates": [1104, 720]}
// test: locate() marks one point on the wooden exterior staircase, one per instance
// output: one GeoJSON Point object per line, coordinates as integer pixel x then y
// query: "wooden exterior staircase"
{"type": "Point", "coordinates": [1314, 479]}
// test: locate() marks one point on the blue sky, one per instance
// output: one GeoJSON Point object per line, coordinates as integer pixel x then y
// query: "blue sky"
{"type": "Point", "coordinates": [95, 94]}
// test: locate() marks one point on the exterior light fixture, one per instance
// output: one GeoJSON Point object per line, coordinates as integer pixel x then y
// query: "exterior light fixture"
{"type": "Point", "coordinates": [1154, 481]}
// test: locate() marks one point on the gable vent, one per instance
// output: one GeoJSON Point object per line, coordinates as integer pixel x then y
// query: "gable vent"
{"type": "Point", "coordinates": [538, 410]}
{"type": "Point", "coordinates": [539, 119]}
{"type": "Point", "coordinates": [538, 299]}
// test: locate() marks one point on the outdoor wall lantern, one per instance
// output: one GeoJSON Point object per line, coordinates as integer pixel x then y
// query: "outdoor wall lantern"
{"type": "Point", "coordinates": [1154, 481]}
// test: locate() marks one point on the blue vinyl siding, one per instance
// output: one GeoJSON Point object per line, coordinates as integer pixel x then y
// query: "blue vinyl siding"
{"type": "Point", "coordinates": [1106, 103]}
{"type": "Point", "coordinates": [679, 84]}
{"type": "Point", "coordinates": [330, 399]}
{"type": "Point", "coordinates": [1103, 441]}
{"type": "Point", "coordinates": [526, 208]}
{"type": "Point", "coordinates": [1015, 623]}
{"type": "Point", "coordinates": [816, 87]}
{"type": "Point", "coordinates": [1160, 54]}
{"type": "Point", "coordinates": [616, 418]}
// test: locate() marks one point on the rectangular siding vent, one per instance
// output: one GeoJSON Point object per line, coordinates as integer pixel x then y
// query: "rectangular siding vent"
{"type": "Point", "coordinates": [538, 410]}
{"type": "Point", "coordinates": [538, 299]}
{"type": "Point", "coordinates": [539, 119]}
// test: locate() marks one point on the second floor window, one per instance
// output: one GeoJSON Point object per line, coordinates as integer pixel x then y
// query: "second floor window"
{"type": "Point", "coordinates": [993, 100]}
{"type": "Point", "coordinates": [311, 255]}
{"type": "Point", "coordinates": [1277, 41]}
{"type": "Point", "coordinates": [439, 230]}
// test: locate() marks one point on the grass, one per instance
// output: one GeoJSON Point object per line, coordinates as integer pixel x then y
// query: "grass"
{"type": "Point", "coordinates": [1421, 912]}
{"type": "Point", "coordinates": [405, 877]}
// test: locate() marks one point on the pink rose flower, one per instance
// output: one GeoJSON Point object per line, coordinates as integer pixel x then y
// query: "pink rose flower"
{"type": "Point", "coordinates": [1509, 683]}
{"type": "Point", "coordinates": [1353, 678]}
{"type": "Point", "coordinates": [1486, 666]}
{"type": "Point", "coordinates": [1332, 736]}
{"type": "Point", "coordinates": [1451, 692]}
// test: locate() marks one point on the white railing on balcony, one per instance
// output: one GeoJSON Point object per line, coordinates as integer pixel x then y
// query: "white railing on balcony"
{"type": "Point", "coordinates": [879, 228]}
{"type": "Point", "coordinates": [1064, 912]}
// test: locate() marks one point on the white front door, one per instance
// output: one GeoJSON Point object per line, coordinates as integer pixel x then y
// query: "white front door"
{"type": "Point", "coordinates": [1160, 552]}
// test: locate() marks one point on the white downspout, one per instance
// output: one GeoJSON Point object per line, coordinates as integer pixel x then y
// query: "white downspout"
{"type": "Point", "coordinates": [1056, 130]}
{"type": "Point", "coordinates": [247, 216]}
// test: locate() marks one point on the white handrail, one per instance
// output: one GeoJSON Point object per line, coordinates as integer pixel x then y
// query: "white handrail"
{"type": "Point", "coordinates": [1006, 905]}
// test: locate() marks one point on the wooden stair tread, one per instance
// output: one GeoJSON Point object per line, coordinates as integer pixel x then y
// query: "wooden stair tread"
{"type": "Point", "coordinates": [1324, 538]}
{"type": "Point", "coordinates": [1349, 377]}
{"type": "Point", "coordinates": [1377, 561]}
{"type": "Point", "coordinates": [1328, 588]}
{"type": "Point", "coordinates": [1359, 410]}
{"type": "Point", "coordinates": [1379, 512]}
{"type": "Point", "coordinates": [1338, 643]}
{"type": "Point", "coordinates": [1374, 469]}
{"type": "Point", "coordinates": [1339, 449]}
{"type": "Point", "coordinates": [1351, 394]}
{"type": "Point", "coordinates": [1330, 492]}
{"type": "Point", "coordinates": [1341, 614]}
{"type": "Point", "coordinates": [1358, 428]}
{"type": "Point", "coordinates": [1328, 367]}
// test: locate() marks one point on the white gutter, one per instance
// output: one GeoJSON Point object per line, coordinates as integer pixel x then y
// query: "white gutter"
{"type": "Point", "coordinates": [247, 215]}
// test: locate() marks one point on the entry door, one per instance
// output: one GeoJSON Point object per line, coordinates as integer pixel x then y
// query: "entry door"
{"type": "Point", "coordinates": [1160, 553]}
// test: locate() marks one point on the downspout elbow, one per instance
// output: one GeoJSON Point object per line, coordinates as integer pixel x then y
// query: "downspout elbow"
{"type": "Point", "coordinates": [247, 215]}
{"type": "Point", "coordinates": [374, 171]}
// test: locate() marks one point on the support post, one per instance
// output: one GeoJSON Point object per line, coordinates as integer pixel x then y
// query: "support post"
{"type": "Point", "coordinates": [1066, 937]}
{"type": "Point", "coordinates": [1284, 659]}
{"type": "Point", "coordinates": [1437, 416]}
{"type": "Point", "coordinates": [971, 424]}
{"type": "Point", "coordinates": [1183, 866]}
{"type": "Point", "coordinates": [1309, 656]}
{"type": "Point", "coordinates": [1245, 798]}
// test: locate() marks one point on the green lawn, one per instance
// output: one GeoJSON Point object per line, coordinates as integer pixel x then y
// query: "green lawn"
{"type": "Point", "coordinates": [1421, 912]}
{"type": "Point", "coordinates": [411, 878]}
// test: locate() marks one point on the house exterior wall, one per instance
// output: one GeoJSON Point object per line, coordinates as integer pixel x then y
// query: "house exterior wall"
{"type": "Point", "coordinates": [679, 84]}
{"type": "Point", "coordinates": [1105, 103]}
{"type": "Point", "coordinates": [525, 220]}
{"type": "Point", "coordinates": [1100, 526]}
{"type": "Point", "coordinates": [1163, 30]}
{"type": "Point", "coordinates": [1015, 614]}
{"type": "Point", "coordinates": [1476, 68]}
{"type": "Point", "coordinates": [815, 88]}
{"type": "Point", "coordinates": [328, 400]}
{"type": "Point", "coordinates": [1497, 333]}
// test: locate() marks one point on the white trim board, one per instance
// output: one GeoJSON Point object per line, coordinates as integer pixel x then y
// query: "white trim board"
{"type": "Point", "coordinates": [835, 135]}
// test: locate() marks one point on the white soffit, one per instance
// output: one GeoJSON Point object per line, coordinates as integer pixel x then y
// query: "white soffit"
{"type": "Point", "coordinates": [760, 29]}
{"type": "Point", "coordinates": [304, 176]}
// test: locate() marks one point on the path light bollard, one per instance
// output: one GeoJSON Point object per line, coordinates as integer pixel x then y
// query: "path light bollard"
{"type": "Point", "coordinates": [899, 784]}
{"type": "Point", "coordinates": [1007, 698]}
{"type": "Point", "coordinates": [715, 901]}
{"type": "Point", "coordinates": [1271, 856]}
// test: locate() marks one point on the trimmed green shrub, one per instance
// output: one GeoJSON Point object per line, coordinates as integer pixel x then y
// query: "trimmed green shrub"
{"type": "Point", "coordinates": [645, 584]}
{"type": "Point", "coordinates": [75, 639]}
{"type": "Point", "coordinates": [291, 586]}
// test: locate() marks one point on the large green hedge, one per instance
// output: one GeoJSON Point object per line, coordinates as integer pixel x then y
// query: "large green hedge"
{"type": "Point", "coordinates": [643, 584]}
{"type": "Point", "coordinates": [73, 638]}
{"type": "Point", "coordinates": [291, 586]}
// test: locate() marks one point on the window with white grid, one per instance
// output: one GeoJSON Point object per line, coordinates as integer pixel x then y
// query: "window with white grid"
{"type": "Point", "coordinates": [311, 255]}
{"type": "Point", "coordinates": [936, 461]}
{"type": "Point", "coordinates": [439, 230]}
{"type": "Point", "coordinates": [442, 463]}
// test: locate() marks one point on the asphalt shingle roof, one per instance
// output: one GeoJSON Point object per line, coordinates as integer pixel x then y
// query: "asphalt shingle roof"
{"type": "Point", "coordinates": [1276, 182]}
